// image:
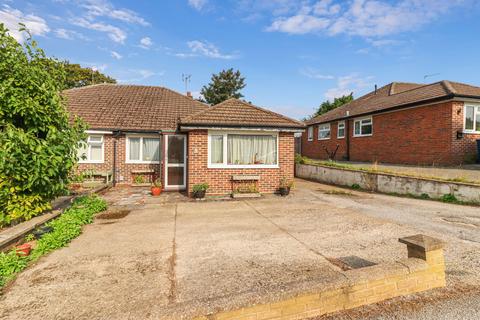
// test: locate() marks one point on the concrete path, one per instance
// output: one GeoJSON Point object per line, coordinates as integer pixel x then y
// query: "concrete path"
{"type": "Point", "coordinates": [172, 258]}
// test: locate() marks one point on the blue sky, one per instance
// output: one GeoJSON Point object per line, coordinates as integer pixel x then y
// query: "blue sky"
{"type": "Point", "coordinates": [294, 54]}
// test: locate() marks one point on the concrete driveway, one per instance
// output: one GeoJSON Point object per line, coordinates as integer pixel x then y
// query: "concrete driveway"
{"type": "Point", "coordinates": [174, 258]}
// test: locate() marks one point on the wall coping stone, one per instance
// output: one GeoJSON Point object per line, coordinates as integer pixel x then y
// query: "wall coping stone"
{"type": "Point", "coordinates": [423, 242]}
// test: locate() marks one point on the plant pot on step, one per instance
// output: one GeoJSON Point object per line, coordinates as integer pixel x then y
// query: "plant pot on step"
{"type": "Point", "coordinates": [23, 250]}
{"type": "Point", "coordinates": [200, 194]}
{"type": "Point", "coordinates": [156, 191]}
{"type": "Point", "coordinates": [284, 191]}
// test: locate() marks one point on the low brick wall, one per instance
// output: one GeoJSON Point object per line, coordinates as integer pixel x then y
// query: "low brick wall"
{"type": "Point", "coordinates": [389, 183]}
{"type": "Point", "coordinates": [423, 270]}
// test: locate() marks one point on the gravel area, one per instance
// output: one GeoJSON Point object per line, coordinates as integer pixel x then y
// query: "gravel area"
{"type": "Point", "coordinates": [171, 257]}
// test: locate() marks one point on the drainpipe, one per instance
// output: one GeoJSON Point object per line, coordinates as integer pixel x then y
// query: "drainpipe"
{"type": "Point", "coordinates": [116, 134]}
{"type": "Point", "coordinates": [347, 137]}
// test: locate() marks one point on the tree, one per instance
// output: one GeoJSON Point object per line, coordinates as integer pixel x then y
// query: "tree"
{"type": "Point", "coordinates": [38, 141]}
{"type": "Point", "coordinates": [224, 85]}
{"type": "Point", "coordinates": [78, 76]}
{"type": "Point", "coordinates": [327, 105]}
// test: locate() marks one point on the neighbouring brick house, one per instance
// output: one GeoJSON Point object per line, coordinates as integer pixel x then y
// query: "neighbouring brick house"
{"type": "Point", "coordinates": [404, 123]}
{"type": "Point", "coordinates": [141, 133]}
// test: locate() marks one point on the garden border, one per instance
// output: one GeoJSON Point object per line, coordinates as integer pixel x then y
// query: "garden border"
{"type": "Point", "coordinates": [10, 236]}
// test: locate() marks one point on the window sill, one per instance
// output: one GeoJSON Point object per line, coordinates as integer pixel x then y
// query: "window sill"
{"type": "Point", "coordinates": [471, 132]}
{"type": "Point", "coordinates": [251, 166]}
{"type": "Point", "coordinates": [310, 140]}
{"type": "Point", "coordinates": [91, 162]}
{"type": "Point", "coordinates": [362, 135]}
{"type": "Point", "coordinates": [142, 162]}
{"type": "Point", "coordinates": [320, 139]}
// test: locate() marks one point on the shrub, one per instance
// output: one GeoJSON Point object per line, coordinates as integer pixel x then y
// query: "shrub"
{"type": "Point", "coordinates": [450, 198]}
{"type": "Point", "coordinates": [65, 228]}
{"type": "Point", "coordinates": [200, 187]}
{"type": "Point", "coordinates": [38, 142]}
{"type": "Point", "coordinates": [356, 186]}
{"type": "Point", "coordinates": [299, 159]}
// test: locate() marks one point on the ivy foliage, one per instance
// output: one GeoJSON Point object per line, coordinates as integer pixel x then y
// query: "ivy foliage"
{"type": "Point", "coordinates": [37, 140]}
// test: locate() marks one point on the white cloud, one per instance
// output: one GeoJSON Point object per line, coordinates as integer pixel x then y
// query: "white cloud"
{"type": "Point", "coordinates": [116, 55]}
{"type": "Point", "coordinates": [299, 24]}
{"type": "Point", "coordinates": [197, 4]}
{"type": "Point", "coordinates": [68, 34]}
{"type": "Point", "coordinates": [206, 49]}
{"type": "Point", "coordinates": [103, 8]}
{"type": "Point", "coordinates": [12, 17]}
{"type": "Point", "coordinates": [364, 18]}
{"type": "Point", "coordinates": [139, 75]}
{"type": "Point", "coordinates": [348, 84]}
{"type": "Point", "coordinates": [146, 43]}
{"type": "Point", "coordinates": [314, 74]}
{"type": "Point", "coordinates": [114, 33]}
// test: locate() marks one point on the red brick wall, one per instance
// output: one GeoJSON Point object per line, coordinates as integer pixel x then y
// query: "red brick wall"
{"type": "Point", "coordinates": [424, 135]}
{"type": "Point", "coordinates": [124, 170]}
{"type": "Point", "coordinates": [465, 149]}
{"type": "Point", "coordinates": [220, 179]}
{"type": "Point", "coordinates": [316, 149]}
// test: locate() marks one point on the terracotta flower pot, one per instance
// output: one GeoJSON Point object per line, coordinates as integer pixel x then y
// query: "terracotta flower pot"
{"type": "Point", "coordinates": [156, 191]}
{"type": "Point", "coordinates": [24, 249]}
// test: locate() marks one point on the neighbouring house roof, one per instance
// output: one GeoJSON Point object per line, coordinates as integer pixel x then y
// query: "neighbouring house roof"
{"type": "Point", "coordinates": [398, 95]}
{"type": "Point", "coordinates": [130, 107]}
{"type": "Point", "coordinates": [238, 113]}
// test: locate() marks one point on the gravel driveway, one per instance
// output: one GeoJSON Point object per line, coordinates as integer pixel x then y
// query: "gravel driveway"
{"type": "Point", "coordinates": [170, 257]}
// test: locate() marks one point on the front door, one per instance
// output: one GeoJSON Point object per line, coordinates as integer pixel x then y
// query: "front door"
{"type": "Point", "coordinates": [175, 161]}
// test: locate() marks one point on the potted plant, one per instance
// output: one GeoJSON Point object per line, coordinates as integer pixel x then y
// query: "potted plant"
{"type": "Point", "coordinates": [285, 186]}
{"type": "Point", "coordinates": [199, 190]}
{"type": "Point", "coordinates": [156, 187]}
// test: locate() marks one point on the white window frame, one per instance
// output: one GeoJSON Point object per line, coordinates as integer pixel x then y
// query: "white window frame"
{"type": "Point", "coordinates": [323, 128]}
{"type": "Point", "coordinates": [141, 136]}
{"type": "Point", "coordinates": [361, 125]}
{"type": "Point", "coordinates": [476, 110]}
{"type": "Point", "coordinates": [338, 129]}
{"type": "Point", "coordinates": [102, 142]}
{"type": "Point", "coordinates": [310, 133]}
{"type": "Point", "coordinates": [225, 164]}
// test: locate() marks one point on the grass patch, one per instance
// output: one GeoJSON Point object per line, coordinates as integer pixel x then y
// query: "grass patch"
{"type": "Point", "coordinates": [65, 228]}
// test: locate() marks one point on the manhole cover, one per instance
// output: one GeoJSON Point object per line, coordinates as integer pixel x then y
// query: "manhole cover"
{"type": "Point", "coordinates": [118, 214]}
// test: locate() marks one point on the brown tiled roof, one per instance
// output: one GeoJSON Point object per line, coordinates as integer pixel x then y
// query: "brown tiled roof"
{"type": "Point", "coordinates": [129, 107]}
{"type": "Point", "coordinates": [398, 95]}
{"type": "Point", "coordinates": [234, 113]}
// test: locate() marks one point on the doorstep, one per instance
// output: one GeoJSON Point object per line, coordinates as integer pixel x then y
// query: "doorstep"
{"type": "Point", "coordinates": [246, 195]}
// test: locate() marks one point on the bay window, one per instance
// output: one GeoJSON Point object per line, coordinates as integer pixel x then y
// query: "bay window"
{"type": "Point", "coordinates": [143, 149]}
{"type": "Point", "coordinates": [363, 127]}
{"type": "Point", "coordinates": [91, 150]}
{"type": "Point", "coordinates": [324, 131]}
{"type": "Point", "coordinates": [472, 118]}
{"type": "Point", "coordinates": [242, 150]}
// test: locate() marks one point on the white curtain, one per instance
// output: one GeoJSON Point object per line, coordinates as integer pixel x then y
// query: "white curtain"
{"type": "Point", "coordinates": [134, 148]}
{"type": "Point", "coordinates": [252, 149]}
{"type": "Point", "coordinates": [216, 149]}
{"type": "Point", "coordinates": [95, 152]}
{"type": "Point", "coordinates": [151, 149]}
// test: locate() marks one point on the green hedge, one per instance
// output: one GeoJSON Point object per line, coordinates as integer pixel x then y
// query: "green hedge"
{"type": "Point", "coordinates": [65, 228]}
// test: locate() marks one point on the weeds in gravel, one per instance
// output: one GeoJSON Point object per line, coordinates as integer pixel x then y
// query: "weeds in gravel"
{"type": "Point", "coordinates": [65, 228]}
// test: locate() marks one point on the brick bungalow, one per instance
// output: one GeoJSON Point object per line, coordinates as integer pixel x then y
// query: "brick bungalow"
{"type": "Point", "coordinates": [140, 133]}
{"type": "Point", "coordinates": [403, 123]}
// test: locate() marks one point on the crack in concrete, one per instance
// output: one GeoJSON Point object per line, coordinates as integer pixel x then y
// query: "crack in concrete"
{"type": "Point", "coordinates": [172, 262]}
{"type": "Point", "coordinates": [318, 253]}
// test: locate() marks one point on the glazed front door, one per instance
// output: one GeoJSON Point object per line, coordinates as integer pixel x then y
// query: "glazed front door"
{"type": "Point", "coordinates": [175, 162]}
